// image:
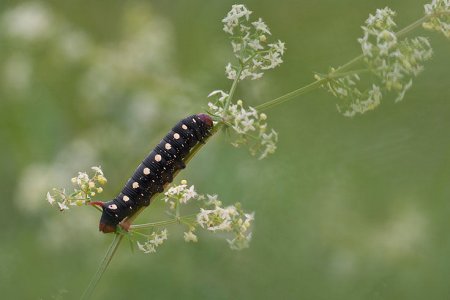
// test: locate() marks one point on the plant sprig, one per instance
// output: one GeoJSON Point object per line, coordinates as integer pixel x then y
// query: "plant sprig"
{"type": "Point", "coordinates": [389, 56]}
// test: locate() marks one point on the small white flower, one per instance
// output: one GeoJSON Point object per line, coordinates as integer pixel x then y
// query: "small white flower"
{"type": "Point", "coordinates": [97, 170]}
{"type": "Point", "coordinates": [222, 94]}
{"type": "Point", "coordinates": [255, 45]}
{"type": "Point", "coordinates": [190, 237]}
{"type": "Point", "coordinates": [278, 47]}
{"type": "Point", "coordinates": [261, 26]}
{"type": "Point", "coordinates": [50, 199]}
{"type": "Point", "coordinates": [248, 125]}
{"type": "Point", "coordinates": [212, 200]}
{"type": "Point", "coordinates": [236, 47]}
{"type": "Point", "coordinates": [230, 71]}
{"type": "Point", "coordinates": [62, 206]}
{"type": "Point", "coordinates": [141, 247]}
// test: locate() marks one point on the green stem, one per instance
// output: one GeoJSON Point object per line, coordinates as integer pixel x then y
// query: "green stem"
{"type": "Point", "coordinates": [161, 223]}
{"type": "Point", "coordinates": [412, 26]}
{"type": "Point", "coordinates": [103, 266]}
{"type": "Point", "coordinates": [303, 90]}
{"type": "Point", "coordinates": [233, 88]}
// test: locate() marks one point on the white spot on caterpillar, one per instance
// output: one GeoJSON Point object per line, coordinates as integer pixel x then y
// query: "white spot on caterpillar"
{"type": "Point", "coordinates": [126, 198]}
{"type": "Point", "coordinates": [184, 127]}
{"type": "Point", "coordinates": [135, 185]}
{"type": "Point", "coordinates": [193, 120]}
{"type": "Point", "coordinates": [112, 206]}
{"type": "Point", "coordinates": [167, 146]}
{"type": "Point", "coordinates": [158, 157]}
{"type": "Point", "coordinates": [176, 136]}
{"type": "Point", "coordinates": [146, 171]}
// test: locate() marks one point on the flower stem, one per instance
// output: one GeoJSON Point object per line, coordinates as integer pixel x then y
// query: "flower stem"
{"type": "Point", "coordinates": [103, 266]}
{"type": "Point", "coordinates": [412, 26]}
{"type": "Point", "coordinates": [303, 90]}
{"type": "Point", "coordinates": [233, 89]}
{"type": "Point", "coordinates": [161, 223]}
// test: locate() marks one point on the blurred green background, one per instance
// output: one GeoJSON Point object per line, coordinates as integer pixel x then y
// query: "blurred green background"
{"type": "Point", "coordinates": [346, 209]}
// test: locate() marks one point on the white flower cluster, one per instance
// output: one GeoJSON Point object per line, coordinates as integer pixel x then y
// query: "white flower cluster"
{"type": "Point", "coordinates": [354, 100]}
{"type": "Point", "coordinates": [439, 12]}
{"type": "Point", "coordinates": [154, 241]}
{"type": "Point", "coordinates": [85, 188]}
{"type": "Point", "coordinates": [213, 216]}
{"type": "Point", "coordinates": [180, 194]}
{"type": "Point", "coordinates": [249, 126]}
{"type": "Point", "coordinates": [393, 63]}
{"type": "Point", "coordinates": [249, 42]}
{"type": "Point", "coordinates": [229, 219]}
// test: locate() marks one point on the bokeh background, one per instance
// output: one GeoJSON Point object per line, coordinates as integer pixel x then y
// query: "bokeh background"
{"type": "Point", "coordinates": [346, 209]}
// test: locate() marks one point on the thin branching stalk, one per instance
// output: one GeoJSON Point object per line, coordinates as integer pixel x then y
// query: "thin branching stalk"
{"type": "Point", "coordinates": [161, 223]}
{"type": "Point", "coordinates": [103, 266]}
{"type": "Point", "coordinates": [303, 90]}
{"type": "Point", "coordinates": [233, 88]}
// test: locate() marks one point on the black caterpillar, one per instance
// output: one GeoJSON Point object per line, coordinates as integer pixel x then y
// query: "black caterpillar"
{"type": "Point", "coordinates": [156, 170]}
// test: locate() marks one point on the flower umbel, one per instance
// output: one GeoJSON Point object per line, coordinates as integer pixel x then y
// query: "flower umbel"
{"type": "Point", "coordinates": [392, 63]}
{"type": "Point", "coordinates": [249, 127]}
{"type": "Point", "coordinates": [250, 47]}
{"type": "Point", "coordinates": [180, 194]}
{"type": "Point", "coordinates": [154, 240]}
{"type": "Point", "coordinates": [228, 219]}
{"type": "Point", "coordinates": [439, 12]}
{"type": "Point", "coordinates": [85, 187]}
{"type": "Point", "coordinates": [212, 216]}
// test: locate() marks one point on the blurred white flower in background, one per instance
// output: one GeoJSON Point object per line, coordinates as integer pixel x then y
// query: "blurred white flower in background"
{"type": "Point", "coordinates": [74, 44]}
{"type": "Point", "coordinates": [28, 21]}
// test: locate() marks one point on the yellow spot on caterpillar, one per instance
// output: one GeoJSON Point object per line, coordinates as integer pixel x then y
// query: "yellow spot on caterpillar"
{"type": "Point", "coordinates": [146, 171]}
{"type": "Point", "coordinates": [158, 157]}
{"type": "Point", "coordinates": [184, 127]}
{"type": "Point", "coordinates": [126, 198]}
{"type": "Point", "coordinates": [135, 185]}
{"type": "Point", "coordinates": [168, 146]}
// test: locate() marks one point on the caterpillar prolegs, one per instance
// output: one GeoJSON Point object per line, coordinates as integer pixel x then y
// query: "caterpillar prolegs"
{"type": "Point", "coordinates": [156, 170]}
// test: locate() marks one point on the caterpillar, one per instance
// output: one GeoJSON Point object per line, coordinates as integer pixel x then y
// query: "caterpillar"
{"type": "Point", "coordinates": [155, 171]}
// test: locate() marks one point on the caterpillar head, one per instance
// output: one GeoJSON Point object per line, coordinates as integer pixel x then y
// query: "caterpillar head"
{"type": "Point", "coordinates": [206, 119]}
{"type": "Point", "coordinates": [108, 220]}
